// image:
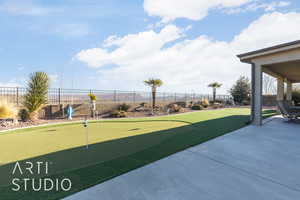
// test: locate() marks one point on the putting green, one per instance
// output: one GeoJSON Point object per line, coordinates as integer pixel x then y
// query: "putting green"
{"type": "Point", "coordinates": [40, 141]}
{"type": "Point", "coordinates": [31, 142]}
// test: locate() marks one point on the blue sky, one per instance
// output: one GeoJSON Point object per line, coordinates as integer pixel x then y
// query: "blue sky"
{"type": "Point", "coordinates": [117, 44]}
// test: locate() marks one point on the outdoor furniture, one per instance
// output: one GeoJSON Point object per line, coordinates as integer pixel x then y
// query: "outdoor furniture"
{"type": "Point", "coordinates": [288, 111]}
{"type": "Point", "coordinates": [291, 105]}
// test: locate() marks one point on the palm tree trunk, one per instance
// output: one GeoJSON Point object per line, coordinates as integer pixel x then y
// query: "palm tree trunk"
{"type": "Point", "coordinates": [33, 116]}
{"type": "Point", "coordinates": [214, 94]}
{"type": "Point", "coordinates": [153, 98]}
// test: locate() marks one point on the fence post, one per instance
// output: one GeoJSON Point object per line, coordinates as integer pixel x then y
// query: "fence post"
{"type": "Point", "coordinates": [115, 95]}
{"type": "Point", "coordinates": [175, 96]}
{"type": "Point", "coordinates": [134, 97]}
{"type": "Point", "coordinates": [17, 96]}
{"type": "Point", "coordinates": [59, 94]}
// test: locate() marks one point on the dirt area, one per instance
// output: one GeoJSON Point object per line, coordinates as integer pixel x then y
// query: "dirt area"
{"type": "Point", "coordinates": [9, 124]}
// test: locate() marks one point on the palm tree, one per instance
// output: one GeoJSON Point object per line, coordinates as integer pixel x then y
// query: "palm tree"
{"type": "Point", "coordinates": [214, 86]}
{"type": "Point", "coordinates": [154, 84]}
{"type": "Point", "coordinates": [37, 92]}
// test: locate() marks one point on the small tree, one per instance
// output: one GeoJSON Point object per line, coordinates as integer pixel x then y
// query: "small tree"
{"type": "Point", "coordinates": [214, 86]}
{"type": "Point", "coordinates": [241, 89]}
{"type": "Point", "coordinates": [37, 92]}
{"type": "Point", "coordinates": [154, 84]}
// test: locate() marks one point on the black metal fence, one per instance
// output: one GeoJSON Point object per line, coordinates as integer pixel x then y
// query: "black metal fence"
{"type": "Point", "coordinates": [57, 96]}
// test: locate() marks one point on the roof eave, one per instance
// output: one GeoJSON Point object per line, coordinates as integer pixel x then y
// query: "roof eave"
{"type": "Point", "coordinates": [246, 57]}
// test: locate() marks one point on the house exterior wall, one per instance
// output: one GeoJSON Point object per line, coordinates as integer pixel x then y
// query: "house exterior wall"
{"type": "Point", "coordinates": [259, 62]}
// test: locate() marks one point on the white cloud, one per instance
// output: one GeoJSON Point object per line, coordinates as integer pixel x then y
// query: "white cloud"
{"type": "Point", "coordinates": [185, 64]}
{"type": "Point", "coordinates": [27, 8]}
{"type": "Point", "coordinates": [272, 6]}
{"type": "Point", "coordinates": [270, 29]}
{"type": "Point", "coordinates": [130, 48]}
{"type": "Point", "coordinates": [191, 9]}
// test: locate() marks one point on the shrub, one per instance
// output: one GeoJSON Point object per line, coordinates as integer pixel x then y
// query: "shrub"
{"type": "Point", "coordinates": [191, 103]}
{"type": "Point", "coordinates": [205, 103]}
{"type": "Point", "coordinates": [92, 97]}
{"type": "Point", "coordinates": [24, 115]}
{"type": "Point", "coordinates": [118, 114]}
{"type": "Point", "coordinates": [37, 92]}
{"type": "Point", "coordinates": [143, 104]}
{"type": "Point", "coordinates": [124, 107]}
{"type": "Point", "coordinates": [217, 105]}
{"type": "Point", "coordinates": [175, 108]}
{"type": "Point", "coordinates": [246, 102]}
{"type": "Point", "coordinates": [197, 107]}
{"type": "Point", "coordinates": [220, 101]}
{"type": "Point", "coordinates": [229, 102]}
{"type": "Point", "coordinates": [7, 110]}
{"type": "Point", "coordinates": [181, 104]}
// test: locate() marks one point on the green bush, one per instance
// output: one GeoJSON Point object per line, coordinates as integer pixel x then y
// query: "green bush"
{"type": "Point", "coordinates": [24, 115]}
{"type": "Point", "coordinates": [124, 107]}
{"type": "Point", "coordinates": [197, 107]}
{"type": "Point", "coordinates": [241, 90]}
{"type": "Point", "coordinates": [118, 114]}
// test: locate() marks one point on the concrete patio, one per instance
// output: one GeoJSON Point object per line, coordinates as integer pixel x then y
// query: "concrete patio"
{"type": "Point", "coordinates": [251, 163]}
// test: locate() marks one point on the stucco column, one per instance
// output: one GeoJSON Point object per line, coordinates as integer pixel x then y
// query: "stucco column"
{"type": "Point", "coordinates": [280, 89]}
{"type": "Point", "coordinates": [289, 88]}
{"type": "Point", "coordinates": [252, 91]}
{"type": "Point", "coordinates": [257, 94]}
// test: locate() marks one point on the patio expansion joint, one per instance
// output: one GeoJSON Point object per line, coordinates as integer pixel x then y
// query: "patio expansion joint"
{"type": "Point", "coordinates": [244, 171]}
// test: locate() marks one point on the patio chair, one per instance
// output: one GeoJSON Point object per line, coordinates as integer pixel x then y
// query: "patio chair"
{"type": "Point", "coordinates": [287, 111]}
{"type": "Point", "coordinates": [291, 105]}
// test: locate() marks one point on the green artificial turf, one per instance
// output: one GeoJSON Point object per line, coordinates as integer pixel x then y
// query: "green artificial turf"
{"type": "Point", "coordinates": [116, 147]}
